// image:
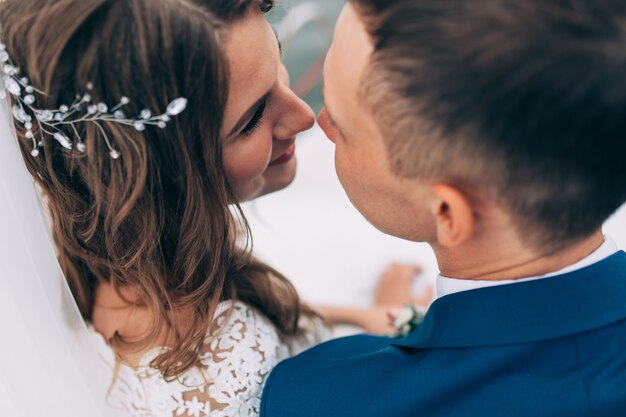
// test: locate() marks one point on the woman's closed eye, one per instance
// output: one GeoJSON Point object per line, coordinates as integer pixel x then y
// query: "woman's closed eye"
{"type": "Point", "coordinates": [256, 120]}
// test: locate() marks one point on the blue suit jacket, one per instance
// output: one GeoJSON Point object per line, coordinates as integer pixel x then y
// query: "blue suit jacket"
{"type": "Point", "coordinates": [553, 347]}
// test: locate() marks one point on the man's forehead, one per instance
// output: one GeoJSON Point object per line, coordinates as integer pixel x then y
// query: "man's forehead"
{"type": "Point", "coordinates": [349, 54]}
{"type": "Point", "coordinates": [351, 38]}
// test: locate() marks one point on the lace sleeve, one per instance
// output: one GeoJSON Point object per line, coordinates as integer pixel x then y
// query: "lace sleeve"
{"type": "Point", "coordinates": [235, 363]}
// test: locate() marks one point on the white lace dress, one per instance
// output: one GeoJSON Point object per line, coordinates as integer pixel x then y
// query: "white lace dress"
{"type": "Point", "coordinates": [235, 363]}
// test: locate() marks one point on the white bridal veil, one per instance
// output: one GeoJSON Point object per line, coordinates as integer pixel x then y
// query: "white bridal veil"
{"type": "Point", "coordinates": [47, 366]}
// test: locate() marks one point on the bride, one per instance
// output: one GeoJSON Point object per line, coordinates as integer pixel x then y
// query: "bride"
{"type": "Point", "coordinates": [144, 123]}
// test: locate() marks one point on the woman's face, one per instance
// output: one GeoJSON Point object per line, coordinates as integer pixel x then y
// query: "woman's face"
{"type": "Point", "coordinates": [262, 116]}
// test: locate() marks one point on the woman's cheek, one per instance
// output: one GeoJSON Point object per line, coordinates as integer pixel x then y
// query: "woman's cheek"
{"type": "Point", "coordinates": [245, 164]}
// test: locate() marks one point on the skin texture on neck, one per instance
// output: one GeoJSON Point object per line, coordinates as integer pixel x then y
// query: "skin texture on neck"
{"type": "Point", "coordinates": [478, 239]}
{"type": "Point", "coordinates": [504, 257]}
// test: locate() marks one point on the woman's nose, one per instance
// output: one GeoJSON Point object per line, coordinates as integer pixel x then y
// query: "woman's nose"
{"type": "Point", "coordinates": [296, 116]}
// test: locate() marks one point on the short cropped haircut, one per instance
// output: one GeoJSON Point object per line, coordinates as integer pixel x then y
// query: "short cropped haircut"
{"type": "Point", "coordinates": [523, 99]}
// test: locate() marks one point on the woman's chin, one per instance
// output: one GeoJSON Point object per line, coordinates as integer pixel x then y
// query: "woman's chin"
{"type": "Point", "coordinates": [275, 178]}
{"type": "Point", "coordinates": [279, 177]}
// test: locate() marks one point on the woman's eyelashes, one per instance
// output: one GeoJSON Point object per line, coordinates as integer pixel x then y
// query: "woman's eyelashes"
{"type": "Point", "coordinates": [256, 120]}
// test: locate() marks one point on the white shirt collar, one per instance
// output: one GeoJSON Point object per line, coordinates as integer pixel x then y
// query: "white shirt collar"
{"type": "Point", "coordinates": [447, 286]}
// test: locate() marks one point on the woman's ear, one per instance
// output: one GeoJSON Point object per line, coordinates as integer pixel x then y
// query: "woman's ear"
{"type": "Point", "coordinates": [453, 214]}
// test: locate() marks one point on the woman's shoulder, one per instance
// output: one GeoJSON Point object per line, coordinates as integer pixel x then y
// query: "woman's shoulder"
{"type": "Point", "coordinates": [240, 328]}
{"type": "Point", "coordinates": [238, 354]}
{"type": "Point", "coordinates": [238, 332]}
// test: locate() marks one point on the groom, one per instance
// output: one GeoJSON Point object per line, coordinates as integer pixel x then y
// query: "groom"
{"type": "Point", "coordinates": [494, 130]}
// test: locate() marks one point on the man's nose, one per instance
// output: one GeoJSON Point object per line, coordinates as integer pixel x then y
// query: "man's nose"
{"type": "Point", "coordinates": [323, 119]}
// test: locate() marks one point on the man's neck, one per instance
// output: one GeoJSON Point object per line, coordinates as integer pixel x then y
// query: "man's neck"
{"type": "Point", "coordinates": [509, 259]}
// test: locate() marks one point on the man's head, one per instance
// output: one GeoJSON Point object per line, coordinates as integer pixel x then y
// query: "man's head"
{"type": "Point", "coordinates": [436, 105]}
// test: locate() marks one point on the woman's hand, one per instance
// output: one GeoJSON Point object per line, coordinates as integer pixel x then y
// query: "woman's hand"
{"type": "Point", "coordinates": [394, 291]}
{"type": "Point", "coordinates": [395, 287]}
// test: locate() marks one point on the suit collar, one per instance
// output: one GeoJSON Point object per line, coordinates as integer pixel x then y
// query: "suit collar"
{"type": "Point", "coordinates": [526, 312]}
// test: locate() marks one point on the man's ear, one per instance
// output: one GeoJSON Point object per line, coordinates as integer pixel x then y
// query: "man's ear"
{"type": "Point", "coordinates": [453, 214]}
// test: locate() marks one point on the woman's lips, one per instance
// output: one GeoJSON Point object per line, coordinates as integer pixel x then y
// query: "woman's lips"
{"type": "Point", "coordinates": [286, 157]}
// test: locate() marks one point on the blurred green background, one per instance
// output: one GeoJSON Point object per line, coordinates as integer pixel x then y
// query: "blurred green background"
{"type": "Point", "coordinates": [306, 29]}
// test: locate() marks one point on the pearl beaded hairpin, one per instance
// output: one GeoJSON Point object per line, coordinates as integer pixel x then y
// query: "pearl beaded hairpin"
{"type": "Point", "coordinates": [81, 110]}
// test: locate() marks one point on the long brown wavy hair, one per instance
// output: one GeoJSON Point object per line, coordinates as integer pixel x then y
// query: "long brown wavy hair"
{"type": "Point", "coordinates": [159, 218]}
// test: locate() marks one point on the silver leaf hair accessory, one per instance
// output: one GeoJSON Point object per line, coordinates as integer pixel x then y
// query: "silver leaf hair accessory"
{"type": "Point", "coordinates": [81, 110]}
